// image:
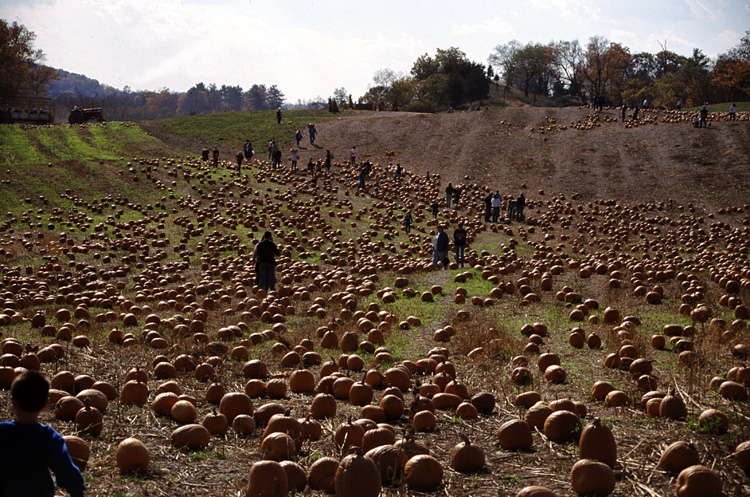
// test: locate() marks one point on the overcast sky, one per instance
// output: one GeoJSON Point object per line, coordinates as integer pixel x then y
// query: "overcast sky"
{"type": "Point", "coordinates": [308, 48]}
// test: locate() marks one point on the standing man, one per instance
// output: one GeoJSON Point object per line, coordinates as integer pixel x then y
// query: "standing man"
{"type": "Point", "coordinates": [733, 112]}
{"type": "Point", "coordinates": [295, 158]}
{"type": "Point", "coordinates": [440, 245]}
{"type": "Point", "coordinates": [459, 243]}
{"type": "Point", "coordinates": [520, 204]}
{"type": "Point", "coordinates": [456, 196]}
{"type": "Point", "coordinates": [298, 136]}
{"type": "Point", "coordinates": [278, 115]}
{"type": "Point", "coordinates": [448, 194]}
{"type": "Point", "coordinates": [240, 156]}
{"type": "Point", "coordinates": [328, 161]}
{"type": "Point", "coordinates": [397, 176]}
{"type": "Point", "coordinates": [408, 221]}
{"type": "Point", "coordinates": [362, 174]}
{"type": "Point", "coordinates": [271, 148]}
{"type": "Point", "coordinates": [204, 155]}
{"type": "Point", "coordinates": [312, 131]}
{"type": "Point", "coordinates": [353, 155]}
{"type": "Point", "coordinates": [679, 106]}
{"type": "Point", "coordinates": [277, 158]}
{"type": "Point", "coordinates": [704, 116]}
{"type": "Point", "coordinates": [487, 207]}
{"type": "Point", "coordinates": [264, 257]}
{"type": "Point", "coordinates": [216, 156]}
{"type": "Point", "coordinates": [248, 148]}
{"type": "Point", "coordinates": [623, 110]}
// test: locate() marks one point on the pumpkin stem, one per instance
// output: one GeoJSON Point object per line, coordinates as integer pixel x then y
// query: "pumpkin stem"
{"type": "Point", "coordinates": [464, 438]}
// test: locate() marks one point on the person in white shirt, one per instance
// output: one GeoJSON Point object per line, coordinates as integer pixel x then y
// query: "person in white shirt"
{"type": "Point", "coordinates": [497, 203]}
{"type": "Point", "coordinates": [732, 112]}
{"type": "Point", "coordinates": [353, 155]}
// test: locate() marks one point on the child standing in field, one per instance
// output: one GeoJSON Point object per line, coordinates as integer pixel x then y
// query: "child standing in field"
{"type": "Point", "coordinates": [407, 222]}
{"type": "Point", "coordinates": [28, 449]}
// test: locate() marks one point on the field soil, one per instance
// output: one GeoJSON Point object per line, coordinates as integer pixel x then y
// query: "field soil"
{"type": "Point", "coordinates": [521, 145]}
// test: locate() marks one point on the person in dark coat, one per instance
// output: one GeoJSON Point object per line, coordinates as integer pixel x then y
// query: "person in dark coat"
{"type": "Point", "coordinates": [216, 156]}
{"type": "Point", "coordinates": [240, 156]}
{"type": "Point", "coordinates": [520, 204]}
{"type": "Point", "coordinates": [264, 257]}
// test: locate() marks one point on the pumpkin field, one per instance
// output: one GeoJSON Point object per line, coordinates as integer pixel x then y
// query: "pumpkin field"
{"type": "Point", "coordinates": [598, 347]}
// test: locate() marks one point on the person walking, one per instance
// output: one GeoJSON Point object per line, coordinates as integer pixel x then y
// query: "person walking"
{"type": "Point", "coordinates": [298, 136]}
{"type": "Point", "coordinates": [704, 116]}
{"type": "Point", "coordinates": [520, 204]}
{"type": "Point", "coordinates": [271, 148]}
{"type": "Point", "coordinates": [408, 221]}
{"type": "Point", "coordinates": [440, 246]}
{"type": "Point", "coordinates": [277, 158]}
{"type": "Point", "coordinates": [497, 203]}
{"type": "Point", "coordinates": [679, 106]}
{"type": "Point", "coordinates": [312, 131]}
{"type": "Point", "coordinates": [248, 149]}
{"type": "Point", "coordinates": [353, 156]}
{"type": "Point", "coordinates": [362, 174]}
{"type": "Point", "coordinates": [456, 196]}
{"type": "Point", "coordinates": [448, 194]}
{"type": "Point", "coordinates": [511, 209]}
{"type": "Point", "coordinates": [459, 243]}
{"type": "Point", "coordinates": [240, 156]}
{"type": "Point", "coordinates": [435, 208]}
{"type": "Point", "coordinates": [328, 161]}
{"type": "Point", "coordinates": [733, 112]}
{"type": "Point", "coordinates": [278, 115]}
{"type": "Point", "coordinates": [635, 112]}
{"type": "Point", "coordinates": [264, 257]}
{"type": "Point", "coordinates": [204, 155]}
{"type": "Point", "coordinates": [397, 174]}
{"type": "Point", "coordinates": [216, 156]}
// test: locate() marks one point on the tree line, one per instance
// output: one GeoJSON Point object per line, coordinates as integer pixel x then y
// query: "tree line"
{"type": "Point", "coordinates": [603, 68]}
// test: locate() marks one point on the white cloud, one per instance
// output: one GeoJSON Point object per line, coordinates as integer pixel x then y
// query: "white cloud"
{"type": "Point", "coordinates": [729, 38]}
{"type": "Point", "coordinates": [700, 11]}
{"type": "Point", "coordinates": [497, 27]}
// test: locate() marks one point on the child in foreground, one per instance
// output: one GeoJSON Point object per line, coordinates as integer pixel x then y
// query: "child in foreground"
{"type": "Point", "coordinates": [28, 449]}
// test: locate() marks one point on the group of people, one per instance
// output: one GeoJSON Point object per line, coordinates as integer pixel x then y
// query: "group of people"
{"type": "Point", "coordinates": [312, 131]}
{"type": "Point", "coordinates": [493, 204]}
{"type": "Point", "coordinates": [452, 193]}
{"type": "Point", "coordinates": [441, 246]}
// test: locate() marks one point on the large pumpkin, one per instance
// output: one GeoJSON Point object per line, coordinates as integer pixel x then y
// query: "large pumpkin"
{"type": "Point", "coordinates": [467, 458]}
{"type": "Point", "coordinates": [267, 479]}
{"type": "Point", "coordinates": [132, 456]}
{"type": "Point", "coordinates": [423, 473]}
{"type": "Point", "coordinates": [592, 478]}
{"type": "Point", "coordinates": [598, 443]}
{"type": "Point", "coordinates": [357, 476]}
{"type": "Point", "coordinates": [698, 481]}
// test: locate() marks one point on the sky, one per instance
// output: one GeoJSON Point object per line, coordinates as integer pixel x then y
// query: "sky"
{"type": "Point", "coordinates": [309, 48]}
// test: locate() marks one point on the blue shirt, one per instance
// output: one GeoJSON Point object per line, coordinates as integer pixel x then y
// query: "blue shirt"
{"type": "Point", "coordinates": [26, 453]}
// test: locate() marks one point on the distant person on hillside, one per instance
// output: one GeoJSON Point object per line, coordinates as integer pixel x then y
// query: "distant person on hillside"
{"type": "Point", "coordinates": [328, 161]}
{"type": "Point", "coordinates": [298, 136]}
{"type": "Point", "coordinates": [440, 246]}
{"type": "Point", "coordinates": [248, 148]}
{"type": "Point", "coordinates": [362, 174]}
{"type": "Point", "coordinates": [600, 102]}
{"type": "Point", "coordinates": [487, 207]}
{"type": "Point", "coordinates": [645, 104]}
{"type": "Point", "coordinates": [435, 208]}
{"type": "Point", "coordinates": [448, 194]}
{"type": "Point", "coordinates": [511, 209]}
{"type": "Point", "coordinates": [294, 159]}
{"type": "Point", "coordinates": [271, 148]}
{"type": "Point", "coordinates": [276, 158]}
{"type": "Point", "coordinates": [696, 121]}
{"type": "Point", "coordinates": [216, 156]}
{"type": "Point", "coordinates": [635, 112]}
{"type": "Point", "coordinates": [497, 203]}
{"type": "Point", "coordinates": [278, 115]}
{"type": "Point", "coordinates": [408, 221]}
{"type": "Point", "coordinates": [459, 243]}
{"type": "Point", "coordinates": [456, 196]}
{"type": "Point", "coordinates": [312, 131]}
{"type": "Point", "coordinates": [732, 112]}
{"type": "Point", "coordinates": [623, 110]}
{"type": "Point", "coordinates": [240, 156]}
{"type": "Point", "coordinates": [679, 106]}
{"type": "Point", "coordinates": [397, 174]}
{"type": "Point", "coordinates": [204, 155]}
{"type": "Point", "coordinates": [264, 258]}
{"type": "Point", "coordinates": [353, 155]}
{"type": "Point", "coordinates": [704, 115]}
{"type": "Point", "coordinates": [520, 204]}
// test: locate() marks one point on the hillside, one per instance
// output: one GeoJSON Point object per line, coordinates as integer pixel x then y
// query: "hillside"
{"type": "Point", "coordinates": [127, 276]}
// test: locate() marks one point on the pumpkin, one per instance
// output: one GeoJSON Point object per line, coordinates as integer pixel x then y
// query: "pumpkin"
{"type": "Point", "coordinates": [67, 407]}
{"type": "Point", "coordinates": [267, 479]}
{"type": "Point", "coordinates": [323, 406]}
{"type": "Point", "coordinates": [215, 392]}
{"type": "Point", "coordinates": [672, 407]}
{"type": "Point", "coordinates": [598, 443]}
{"type": "Point", "coordinates": [616, 398]}
{"type": "Point", "coordinates": [467, 458]}
{"type": "Point", "coordinates": [360, 394]}
{"type": "Point", "coordinates": [349, 434]}
{"type": "Point", "coordinates": [424, 421]}
{"type": "Point", "coordinates": [132, 456]}
{"type": "Point", "coordinates": [592, 478]}
{"type": "Point", "coordinates": [302, 381]}
{"type": "Point", "coordinates": [284, 423]}
{"type": "Point", "coordinates": [78, 449]}
{"type": "Point", "coordinates": [243, 425]}
{"type": "Point", "coordinates": [278, 446]}
{"type": "Point", "coordinates": [423, 473]}
{"type": "Point", "coordinates": [192, 436]}
{"type": "Point", "coordinates": [134, 392]}
{"type": "Point", "coordinates": [515, 435]}
{"type": "Point", "coordinates": [678, 456]}
{"type": "Point", "coordinates": [276, 388]}
{"type": "Point", "coordinates": [390, 460]}
{"type": "Point", "coordinates": [466, 410]}
{"type": "Point", "coordinates": [357, 475]}
{"type": "Point", "coordinates": [216, 423]}
{"type": "Point", "coordinates": [484, 402]}
{"type": "Point", "coordinates": [94, 397]}
{"type": "Point", "coordinates": [89, 420]}
{"type": "Point", "coordinates": [183, 411]}
{"type": "Point", "coordinates": [393, 406]}
{"type": "Point", "coordinates": [699, 481]}
{"type": "Point", "coordinates": [600, 389]}
{"type": "Point", "coordinates": [527, 399]}
{"type": "Point", "coordinates": [235, 403]}
{"type": "Point", "coordinates": [321, 474]}
{"type": "Point", "coordinates": [537, 415]}
{"type": "Point", "coordinates": [742, 456]}
{"type": "Point", "coordinates": [562, 426]}
{"type": "Point", "coordinates": [713, 421]}
{"type": "Point", "coordinates": [295, 475]}
{"type": "Point", "coordinates": [381, 435]}
{"type": "Point", "coordinates": [265, 412]}
{"type": "Point", "coordinates": [310, 429]}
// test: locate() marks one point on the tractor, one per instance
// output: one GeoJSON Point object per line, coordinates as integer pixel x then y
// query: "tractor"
{"type": "Point", "coordinates": [79, 115]}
